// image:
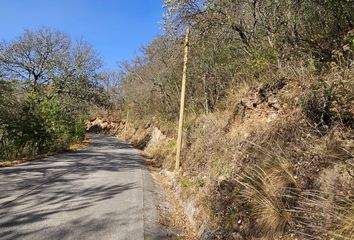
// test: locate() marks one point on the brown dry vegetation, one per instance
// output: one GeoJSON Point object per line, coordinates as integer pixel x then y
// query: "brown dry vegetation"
{"type": "Point", "coordinates": [269, 166]}
{"type": "Point", "coordinates": [268, 137]}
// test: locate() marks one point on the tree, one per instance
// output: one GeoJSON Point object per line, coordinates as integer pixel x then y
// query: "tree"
{"type": "Point", "coordinates": [34, 57]}
{"type": "Point", "coordinates": [232, 42]}
{"type": "Point", "coordinates": [47, 62]}
{"type": "Point", "coordinates": [47, 85]}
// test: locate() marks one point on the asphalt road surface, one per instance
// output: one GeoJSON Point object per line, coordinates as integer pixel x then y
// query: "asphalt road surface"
{"type": "Point", "coordinates": [102, 192]}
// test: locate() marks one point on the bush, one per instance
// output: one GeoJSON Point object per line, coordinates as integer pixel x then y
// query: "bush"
{"type": "Point", "coordinates": [330, 99]}
{"type": "Point", "coordinates": [40, 126]}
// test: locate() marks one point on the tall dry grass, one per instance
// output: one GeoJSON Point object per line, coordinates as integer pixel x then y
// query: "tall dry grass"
{"type": "Point", "coordinates": [270, 189]}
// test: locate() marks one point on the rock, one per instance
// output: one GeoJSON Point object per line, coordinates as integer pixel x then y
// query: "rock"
{"type": "Point", "coordinates": [99, 125]}
{"type": "Point", "coordinates": [205, 233]}
{"type": "Point", "coordinates": [271, 117]}
{"type": "Point", "coordinates": [236, 236]}
{"type": "Point", "coordinates": [169, 174]}
{"type": "Point", "coordinates": [156, 136]}
{"type": "Point", "coordinates": [104, 125]}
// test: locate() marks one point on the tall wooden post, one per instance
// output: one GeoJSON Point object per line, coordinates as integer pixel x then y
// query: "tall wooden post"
{"type": "Point", "coordinates": [183, 93]}
{"type": "Point", "coordinates": [126, 123]}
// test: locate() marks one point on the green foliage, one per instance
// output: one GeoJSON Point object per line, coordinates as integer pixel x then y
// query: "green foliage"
{"type": "Point", "coordinates": [200, 182]}
{"type": "Point", "coordinates": [263, 58]}
{"type": "Point", "coordinates": [185, 182]}
{"type": "Point", "coordinates": [46, 88]}
{"type": "Point", "coordinates": [349, 40]}
{"type": "Point", "coordinates": [172, 144]}
{"type": "Point", "coordinates": [40, 128]}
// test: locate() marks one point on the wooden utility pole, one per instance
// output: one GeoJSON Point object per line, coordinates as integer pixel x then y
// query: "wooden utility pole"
{"type": "Point", "coordinates": [183, 93]}
{"type": "Point", "coordinates": [126, 123]}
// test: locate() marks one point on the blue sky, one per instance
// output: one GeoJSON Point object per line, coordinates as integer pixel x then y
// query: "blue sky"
{"type": "Point", "coordinates": [116, 28]}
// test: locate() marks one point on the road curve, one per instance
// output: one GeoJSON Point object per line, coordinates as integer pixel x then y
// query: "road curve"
{"type": "Point", "coordinates": [101, 192]}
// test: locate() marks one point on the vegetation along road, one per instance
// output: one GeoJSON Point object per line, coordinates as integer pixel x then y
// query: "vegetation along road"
{"type": "Point", "coordinates": [243, 109]}
{"type": "Point", "coordinates": [101, 192]}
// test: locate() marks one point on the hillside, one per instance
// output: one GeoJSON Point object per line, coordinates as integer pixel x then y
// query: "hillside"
{"type": "Point", "coordinates": [268, 134]}
{"type": "Point", "coordinates": [261, 170]}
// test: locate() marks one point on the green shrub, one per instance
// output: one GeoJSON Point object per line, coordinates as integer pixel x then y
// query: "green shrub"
{"type": "Point", "coordinates": [40, 126]}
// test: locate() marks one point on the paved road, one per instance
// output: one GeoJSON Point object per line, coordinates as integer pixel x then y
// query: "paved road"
{"type": "Point", "coordinates": [101, 192]}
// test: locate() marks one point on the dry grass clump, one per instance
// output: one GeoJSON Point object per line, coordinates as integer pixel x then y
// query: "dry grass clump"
{"type": "Point", "coordinates": [321, 218]}
{"type": "Point", "coordinates": [328, 212]}
{"type": "Point", "coordinates": [270, 190]}
{"type": "Point", "coordinates": [163, 153]}
{"type": "Point", "coordinates": [345, 228]}
{"type": "Point", "coordinates": [137, 135]}
{"type": "Point", "coordinates": [207, 149]}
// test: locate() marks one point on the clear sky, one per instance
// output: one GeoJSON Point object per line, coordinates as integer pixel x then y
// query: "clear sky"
{"type": "Point", "coordinates": [116, 28]}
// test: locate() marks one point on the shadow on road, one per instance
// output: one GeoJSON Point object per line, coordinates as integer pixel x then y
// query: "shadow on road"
{"type": "Point", "coordinates": [39, 190]}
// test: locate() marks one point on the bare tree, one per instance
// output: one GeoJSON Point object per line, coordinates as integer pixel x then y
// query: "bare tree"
{"type": "Point", "coordinates": [34, 57]}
